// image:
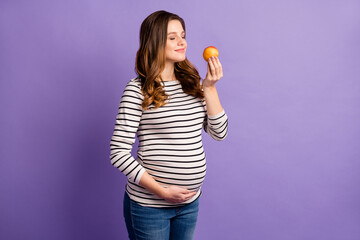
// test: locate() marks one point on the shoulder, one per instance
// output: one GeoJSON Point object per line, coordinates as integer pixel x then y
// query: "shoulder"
{"type": "Point", "coordinates": [134, 82]}
{"type": "Point", "coordinates": [133, 88]}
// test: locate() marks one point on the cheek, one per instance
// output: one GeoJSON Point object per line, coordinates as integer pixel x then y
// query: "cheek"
{"type": "Point", "coordinates": [170, 48]}
{"type": "Point", "coordinates": [172, 45]}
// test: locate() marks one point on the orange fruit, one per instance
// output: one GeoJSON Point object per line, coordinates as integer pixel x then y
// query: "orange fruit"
{"type": "Point", "coordinates": [210, 52]}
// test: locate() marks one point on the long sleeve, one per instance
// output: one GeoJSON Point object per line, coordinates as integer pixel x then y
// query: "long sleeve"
{"type": "Point", "coordinates": [216, 126]}
{"type": "Point", "coordinates": [127, 123]}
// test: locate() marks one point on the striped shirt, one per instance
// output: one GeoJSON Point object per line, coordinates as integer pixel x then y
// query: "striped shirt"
{"type": "Point", "coordinates": [170, 144]}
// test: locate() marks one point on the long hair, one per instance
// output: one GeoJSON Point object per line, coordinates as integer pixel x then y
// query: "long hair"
{"type": "Point", "coordinates": [150, 61]}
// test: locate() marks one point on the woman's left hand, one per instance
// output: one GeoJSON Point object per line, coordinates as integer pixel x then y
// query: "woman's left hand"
{"type": "Point", "coordinates": [214, 72]}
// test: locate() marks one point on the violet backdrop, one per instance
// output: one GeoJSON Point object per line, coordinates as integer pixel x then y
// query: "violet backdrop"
{"type": "Point", "coordinates": [289, 168]}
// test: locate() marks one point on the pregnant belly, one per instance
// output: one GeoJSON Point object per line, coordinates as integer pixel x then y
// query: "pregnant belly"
{"type": "Point", "coordinates": [181, 171]}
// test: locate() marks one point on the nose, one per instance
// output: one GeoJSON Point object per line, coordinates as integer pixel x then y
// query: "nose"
{"type": "Point", "coordinates": [181, 42]}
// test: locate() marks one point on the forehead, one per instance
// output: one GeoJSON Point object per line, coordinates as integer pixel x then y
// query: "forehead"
{"type": "Point", "coordinates": [175, 26]}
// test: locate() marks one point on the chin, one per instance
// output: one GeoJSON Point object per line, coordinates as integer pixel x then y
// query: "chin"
{"type": "Point", "coordinates": [181, 59]}
{"type": "Point", "coordinates": [176, 59]}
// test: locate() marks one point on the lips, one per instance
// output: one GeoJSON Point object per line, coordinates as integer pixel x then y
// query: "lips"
{"type": "Point", "coordinates": [181, 50]}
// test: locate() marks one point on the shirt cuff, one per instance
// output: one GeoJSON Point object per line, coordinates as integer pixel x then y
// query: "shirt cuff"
{"type": "Point", "coordinates": [217, 116]}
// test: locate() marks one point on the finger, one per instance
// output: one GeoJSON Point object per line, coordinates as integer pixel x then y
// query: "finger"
{"type": "Point", "coordinates": [220, 66]}
{"type": "Point", "coordinates": [208, 74]}
{"type": "Point", "coordinates": [182, 193]}
{"type": "Point", "coordinates": [184, 190]}
{"type": "Point", "coordinates": [214, 63]}
{"type": "Point", "coordinates": [189, 195]}
{"type": "Point", "coordinates": [178, 188]}
{"type": "Point", "coordinates": [208, 67]}
{"type": "Point", "coordinates": [217, 68]}
{"type": "Point", "coordinates": [211, 66]}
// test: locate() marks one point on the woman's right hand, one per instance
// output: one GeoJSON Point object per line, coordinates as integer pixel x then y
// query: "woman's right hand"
{"type": "Point", "coordinates": [175, 194]}
{"type": "Point", "coordinates": [172, 194]}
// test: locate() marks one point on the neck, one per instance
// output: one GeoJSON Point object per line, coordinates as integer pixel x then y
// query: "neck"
{"type": "Point", "coordinates": [168, 74]}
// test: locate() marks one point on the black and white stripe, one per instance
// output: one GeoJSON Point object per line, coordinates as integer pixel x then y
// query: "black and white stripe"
{"type": "Point", "coordinates": [170, 146]}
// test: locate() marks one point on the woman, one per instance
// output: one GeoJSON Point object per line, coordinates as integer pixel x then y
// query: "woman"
{"type": "Point", "coordinates": [166, 106]}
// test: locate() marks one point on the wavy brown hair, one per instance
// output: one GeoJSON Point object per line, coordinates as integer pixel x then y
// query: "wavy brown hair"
{"type": "Point", "coordinates": [150, 61]}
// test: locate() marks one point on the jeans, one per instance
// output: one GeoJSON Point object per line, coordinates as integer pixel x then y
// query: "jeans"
{"type": "Point", "coordinates": [175, 223]}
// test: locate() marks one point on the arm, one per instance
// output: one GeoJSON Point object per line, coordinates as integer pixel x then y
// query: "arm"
{"type": "Point", "coordinates": [127, 123]}
{"type": "Point", "coordinates": [214, 73]}
{"type": "Point", "coordinates": [217, 122]}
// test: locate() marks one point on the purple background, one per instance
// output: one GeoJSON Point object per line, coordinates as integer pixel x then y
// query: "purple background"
{"type": "Point", "coordinates": [289, 168]}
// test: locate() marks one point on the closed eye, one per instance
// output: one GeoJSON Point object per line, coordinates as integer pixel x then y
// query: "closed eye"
{"type": "Point", "coordinates": [174, 37]}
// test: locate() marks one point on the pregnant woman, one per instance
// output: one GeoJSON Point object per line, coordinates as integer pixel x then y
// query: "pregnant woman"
{"type": "Point", "coordinates": [166, 106]}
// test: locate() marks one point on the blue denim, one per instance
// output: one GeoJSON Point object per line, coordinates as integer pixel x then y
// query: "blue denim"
{"type": "Point", "coordinates": [175, 223]}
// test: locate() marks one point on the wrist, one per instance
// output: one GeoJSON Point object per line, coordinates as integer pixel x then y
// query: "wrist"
{"type": "Point", "coordinates": [162, 192]}
{"type": "Point", "coordinates": [154, 187]}
{"type": "Point", "coordinates": [209, 88]}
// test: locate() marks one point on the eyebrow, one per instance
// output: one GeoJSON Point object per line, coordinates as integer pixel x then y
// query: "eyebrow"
{"type": "Point", "coordinates": [175, 32]}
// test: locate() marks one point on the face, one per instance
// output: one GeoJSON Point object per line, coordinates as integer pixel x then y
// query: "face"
{"type": "Point", "coordinates": [175, 43]}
